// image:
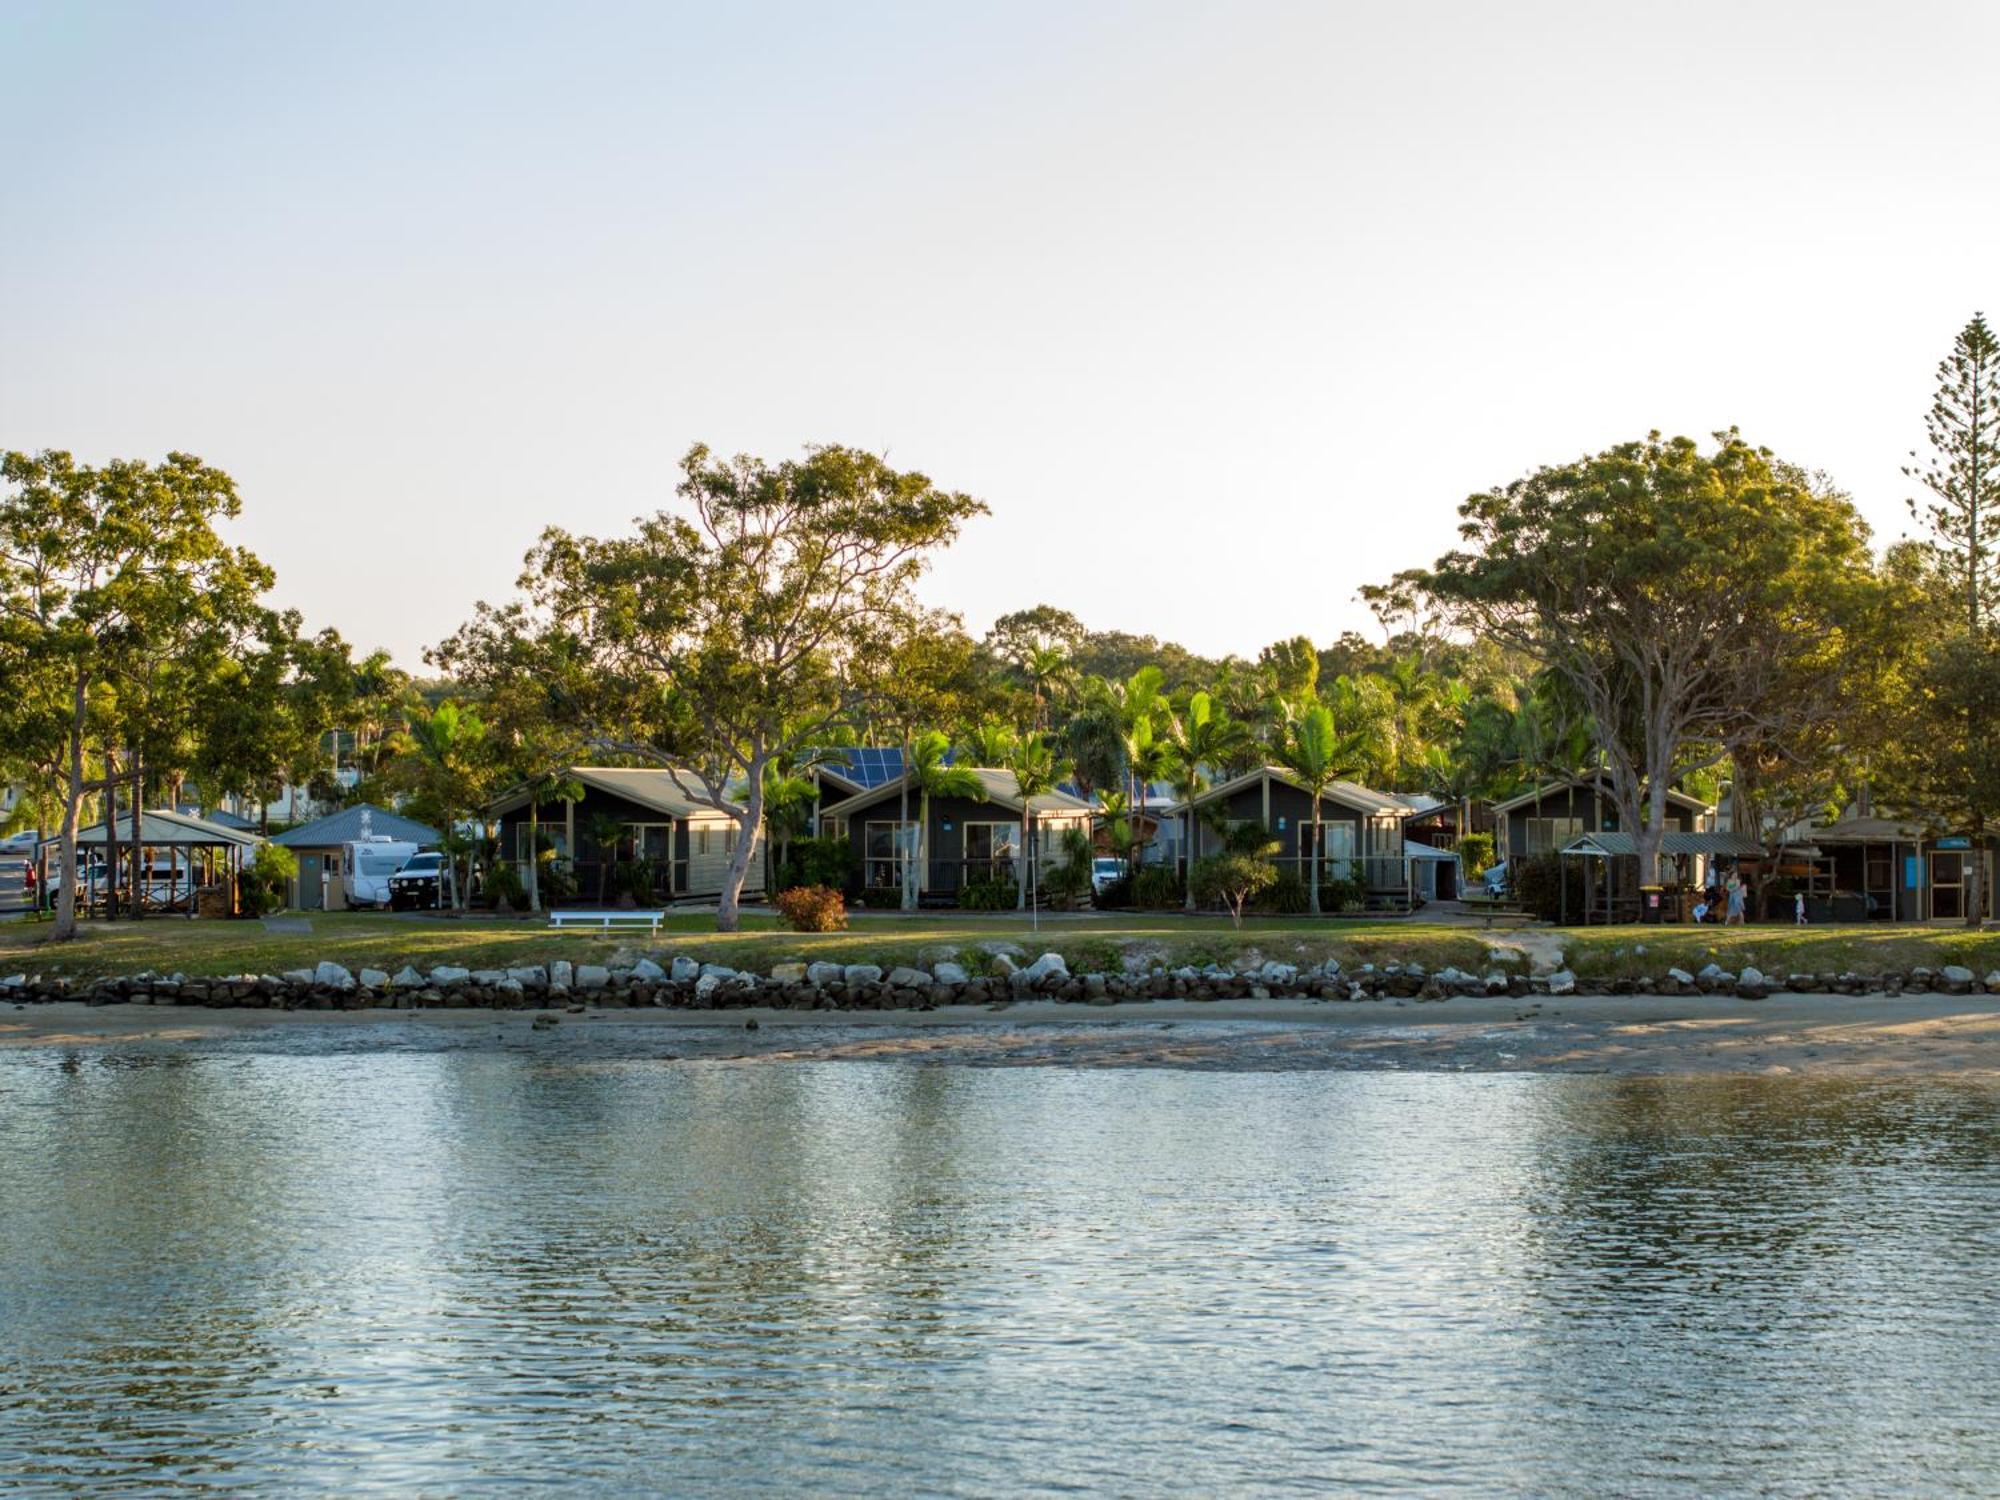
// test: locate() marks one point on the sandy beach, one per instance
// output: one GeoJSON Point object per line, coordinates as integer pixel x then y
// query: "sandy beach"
{"type": "Point", "coordinates": [1803, 1034]}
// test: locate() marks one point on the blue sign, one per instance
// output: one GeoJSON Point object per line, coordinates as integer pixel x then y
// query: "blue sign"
{"type": "Point", "coordinates": [1956, 841]}
{"type": "Point", "coordinates": [1913, 871]}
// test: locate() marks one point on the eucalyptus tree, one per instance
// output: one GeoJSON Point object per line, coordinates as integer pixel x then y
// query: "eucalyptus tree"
{"type": "Point", "coordinates": [108, 573]}
{"type": "Point", "coordinates": [1671, 592]}
{"type": "Point", "coordinates": [1317, 755]}
{"type": "Point", "coordinates": [731, 632]}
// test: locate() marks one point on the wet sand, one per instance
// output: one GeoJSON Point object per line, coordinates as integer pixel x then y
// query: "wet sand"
{"type": "Point", "coordinates": [1803, 1034]}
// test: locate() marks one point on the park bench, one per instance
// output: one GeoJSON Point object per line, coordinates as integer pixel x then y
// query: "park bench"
{"type": "Point", "coordinates": [604, 921]}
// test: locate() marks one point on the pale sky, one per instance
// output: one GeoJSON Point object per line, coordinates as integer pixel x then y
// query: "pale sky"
{"type": "Point", "coordinates": [1222, 308]}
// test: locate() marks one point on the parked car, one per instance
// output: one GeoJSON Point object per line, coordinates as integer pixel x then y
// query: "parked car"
{"type": "Point", "coordinates": [1105, 873]}
{"type": "Point", "coordinates": [1493, 879]}
{"type": "Point", "coordinates": [419, 884]}
{"type": "Point", "coordinates": [23, 842]}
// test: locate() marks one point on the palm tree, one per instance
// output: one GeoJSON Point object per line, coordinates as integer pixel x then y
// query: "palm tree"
{"type": "Point", "coordinates": [445, 744]}
{"type": "Point", "coordinates": [1137, 707]}
{"type": "Point", "coordinates": [1317, 756]}
{"type": "Point", "coordinates": [1200, 737]}
{"type": "Point", "coordinates": [1048, 667]}
{"type": "Point", "coordinates": [549, 785]}
{"type": "Point", "coordinates": [1035, 773]}
{"type": "Point", "coordinates": [789, 793]}
{"type": "Point", "coordinates": [604, 830]}
{"type": "Point", "coordinates": [991, 744]}
{"type": "Point", "coordinates": [928, 771]}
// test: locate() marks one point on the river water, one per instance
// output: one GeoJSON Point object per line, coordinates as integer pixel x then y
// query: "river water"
{"type": "Point", "coordinates": [451, 1271]}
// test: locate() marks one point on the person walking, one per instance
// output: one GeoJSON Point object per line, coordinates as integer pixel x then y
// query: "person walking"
{"type": "Point", "coordinates": [1799, 908]}
{"type": "Point", "coordinates": [1734, 890]}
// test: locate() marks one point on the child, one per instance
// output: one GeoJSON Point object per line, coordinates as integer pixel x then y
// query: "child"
{"type": "Point", "coordinates": [1799, 908]}
{"type": "Point", "coordinates": [1701, 908]}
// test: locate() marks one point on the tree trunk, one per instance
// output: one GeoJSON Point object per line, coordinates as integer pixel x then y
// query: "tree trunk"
{"type": "Point", "coordinates": [110, 836]}
{"type": "Point", "coordinates": [1318, 835]}
{"type": "Point", "coordinates": [729, 909]}
{"type": "Point", "coordinates": [1187, 857]}
{"type": "Point", "coordinates": [65, 928]}
{"type": "Point", "coordinates": [1021, 862]}
{"type": "Point", "coordinates": [1975, 874]}
{"type": "Point", "coordinates": [138, 848]}
{"type": "Point", "coordinates": [534, 856]}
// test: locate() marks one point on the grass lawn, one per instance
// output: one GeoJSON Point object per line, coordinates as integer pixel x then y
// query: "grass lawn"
{"type": "Point", "coordinates": [168, 945]}
{"type": "Point", "coordinates": [1091, 942]}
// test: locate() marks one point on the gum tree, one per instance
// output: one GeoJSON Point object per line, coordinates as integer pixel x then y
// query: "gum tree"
{"type": "Point", "coordinates": [724, 634]}
{"type": "Point", "coordinates": [1674, 593]}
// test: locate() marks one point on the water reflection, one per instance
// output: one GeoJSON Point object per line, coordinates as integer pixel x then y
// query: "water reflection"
{"type": "Point", "coordinates": [450, 1270]}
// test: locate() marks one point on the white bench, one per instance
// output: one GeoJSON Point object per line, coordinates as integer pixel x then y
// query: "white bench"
{"type": "Point", "coordinates": [604, 921]}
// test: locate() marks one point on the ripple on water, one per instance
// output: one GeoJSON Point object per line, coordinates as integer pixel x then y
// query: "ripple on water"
{"type": "Point", "coordinates": [447, 1270]}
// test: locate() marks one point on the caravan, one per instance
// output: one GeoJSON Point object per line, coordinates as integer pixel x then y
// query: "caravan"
{"type": "Point", "coordinates": [365, 867]}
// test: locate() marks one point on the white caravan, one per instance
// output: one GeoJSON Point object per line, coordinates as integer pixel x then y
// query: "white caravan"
{"type": "Point", "coordinates": [366, 865]}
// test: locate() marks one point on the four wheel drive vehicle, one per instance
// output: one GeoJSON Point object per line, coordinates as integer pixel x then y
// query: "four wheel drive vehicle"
{"type": "Point", "coordinates": [419, 884]}
{"type": "Point", "coordinates": [1105, 873]}
{"type": "Point", "coordinates": [1493, 879]}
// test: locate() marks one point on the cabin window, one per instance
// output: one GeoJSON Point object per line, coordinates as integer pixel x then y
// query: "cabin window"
{"type": "Point", "coordinates": [1546, 835]}
{"type": "Point", "coordinates": [553, 836]}
{"type": "Point", "coordinates": [885, 851]}
{"type": "Point", "coordinates": [994, 845]}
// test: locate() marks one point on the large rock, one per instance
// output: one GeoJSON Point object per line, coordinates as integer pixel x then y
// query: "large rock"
{"type": "Point", "coordinates": [1751, 983]}
{"type": "Point", "coordinates": [1957, 979]}
{"type": "Point", "coordinates": [906, 978]}
{"type": "Point", "coordinates": [861, 974]}
{"type": "Point", "coordinates": [947, 972]}
{"type": "Point", "coordinates": [592, 976]}
{"type": "Point", "coordinates": [449, 974]}
{"type": "Point", "coordinates": [647, 970]}
{"type": "Point", "coordinates": [298, 976]}
{"type": "Point", "coordinates": [1048, 966]}
{"type": "Point", "coordinates": [788, 973]}
{"type": "Point", "coordinates": [1562, 982]}
{"type": "Point", "coordinates": [374, 979]}
{"type": "Point", "coordinates": [685, 970]}
{"type": "Point", "coordinates": [562, 973]}
{"type": "Point", "coordinates": [528, 975]}
{"type": "Point", "coordinates": [706, 986]}
{"type": "Point", "coordinates": [331, 976]}
{"type": "Point", "coordinates": [407, 978]}
{"type": "Point", "coordinates": [824, 973]}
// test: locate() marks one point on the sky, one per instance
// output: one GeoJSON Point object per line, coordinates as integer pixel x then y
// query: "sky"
{"type": "Point", "coordinates": [1221, 308]}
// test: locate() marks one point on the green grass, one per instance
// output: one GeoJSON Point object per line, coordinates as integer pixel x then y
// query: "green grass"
{"type": "Point", "coordinates": [386, 942]}
{"type": "Point", "coordinates": [355, 939]}
{"type": "Point", "coordinates": [1866, 948]}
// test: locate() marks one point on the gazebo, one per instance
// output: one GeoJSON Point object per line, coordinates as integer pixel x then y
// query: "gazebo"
{"type": "Point", "coordinates": [1620, 854]}
{"type": "Point", "coordinates": [178, 856]}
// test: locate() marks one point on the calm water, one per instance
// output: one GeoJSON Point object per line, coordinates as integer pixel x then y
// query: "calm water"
{"type": "Point", "coordinates": [442, 1272]}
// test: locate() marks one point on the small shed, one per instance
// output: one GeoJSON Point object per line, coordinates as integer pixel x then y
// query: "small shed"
{"type": "Point", "coordinates": [318, 844]}
{"type": "Point", "coordinates": [177, 857]}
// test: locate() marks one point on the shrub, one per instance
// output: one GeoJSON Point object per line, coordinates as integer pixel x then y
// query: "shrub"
{"type": "Point", "coordinates": [822, 861]}
{"type": "Point", "coordinates": [988, 895]}
{"type": "Point", "coordinates": [1231, 880]}
{"type": "Point", "coordinates": [1538, 885]}
{"type": "Point", "coordinates": [267, 881]}
{"type": "Point", "coordinates": [1475, 854]}
{"type": "Point", "coordinates": [636, 880]}
{"type": "Point", "coordinates": [504, 887]}
{"type": "Point", "coordinates": [1115, 893]}
{"type": "Point", "coordinates": [1158, 888]}
{"type": "Point", "coordinates": [1286, 895]}
{"type": "Point", "coordinates": [1350, 894]}
{"type": "Point", "coordinates": [812, 908]}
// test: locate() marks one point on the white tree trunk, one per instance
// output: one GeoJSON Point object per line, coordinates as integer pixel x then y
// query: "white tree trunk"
{"type": "Point", "coordinates": [749, 822]}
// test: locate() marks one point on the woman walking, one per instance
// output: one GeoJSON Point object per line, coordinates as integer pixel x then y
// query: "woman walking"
{"type": "Point", "coordinates": [1735, 890]}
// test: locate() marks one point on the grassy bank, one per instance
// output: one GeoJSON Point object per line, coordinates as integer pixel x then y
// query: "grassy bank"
{"type": "Point", "coordinates": [388, 942]}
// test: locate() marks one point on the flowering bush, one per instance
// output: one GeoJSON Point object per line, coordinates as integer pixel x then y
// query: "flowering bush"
{"type": "Point", "coordinates": [812, 908]}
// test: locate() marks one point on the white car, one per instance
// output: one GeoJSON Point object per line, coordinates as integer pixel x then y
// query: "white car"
{"type": "Point", "coordinates": [1105, 873]}
{"type": "Point", "coordinates": [22, 843]}
{"type": "Point", "coordinates": [1493, 879]}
